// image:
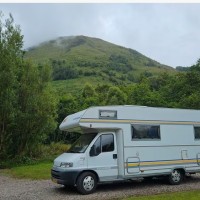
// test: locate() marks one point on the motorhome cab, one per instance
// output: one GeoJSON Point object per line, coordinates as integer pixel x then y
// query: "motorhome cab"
{"type": "Point", "coordinates": [129, 142]}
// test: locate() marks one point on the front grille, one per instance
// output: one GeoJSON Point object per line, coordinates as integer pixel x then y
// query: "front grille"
{"type": "Point", "coordinates": [55, 174]}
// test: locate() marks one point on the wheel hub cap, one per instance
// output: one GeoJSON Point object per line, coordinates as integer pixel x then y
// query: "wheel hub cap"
{"type": "Point", "coordinates": [88, 183]}
{"type": "Point", "coordinates": [176, 176]}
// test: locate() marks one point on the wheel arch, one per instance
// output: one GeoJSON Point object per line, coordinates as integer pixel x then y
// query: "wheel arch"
{"type": "Point", "coordinates": [181, 169]}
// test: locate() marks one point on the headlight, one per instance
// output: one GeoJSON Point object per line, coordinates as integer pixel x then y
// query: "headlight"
{"type": "Point", "coordinates": [66, 164]}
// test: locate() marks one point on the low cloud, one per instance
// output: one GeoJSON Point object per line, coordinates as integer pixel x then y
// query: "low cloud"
{"type": "Point", "coordinates": [168, 33]}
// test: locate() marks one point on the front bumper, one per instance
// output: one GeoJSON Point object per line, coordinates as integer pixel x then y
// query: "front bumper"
{"type": "Point", "coordinates": [64, 177]}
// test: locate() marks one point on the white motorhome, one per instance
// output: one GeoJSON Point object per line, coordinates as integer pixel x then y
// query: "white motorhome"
{"type": "Point", "coordinates": [129, 142]}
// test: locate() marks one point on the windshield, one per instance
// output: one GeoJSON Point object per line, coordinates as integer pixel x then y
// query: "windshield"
{"type": "Point", "coordinates": [82, 143]}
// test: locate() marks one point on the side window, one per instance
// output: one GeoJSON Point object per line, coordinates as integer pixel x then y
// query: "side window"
{"type": "Point", "coordinates": [197, 133]}
{"type": "Point", "coordinates": [140, 131]}
{"type": "Point", "coordinates": [107, 142]}
{"type": "Point", "coordinates": [97, 146]}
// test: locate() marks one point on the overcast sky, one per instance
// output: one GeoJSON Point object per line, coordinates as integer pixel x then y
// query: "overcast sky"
{"type": "Point", "coordinates": [167, 33]}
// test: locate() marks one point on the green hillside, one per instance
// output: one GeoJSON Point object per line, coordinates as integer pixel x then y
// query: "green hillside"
{"type": "Point", "coordinates": [80, 59]}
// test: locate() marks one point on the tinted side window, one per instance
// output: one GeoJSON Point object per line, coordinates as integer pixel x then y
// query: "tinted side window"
{"type": "Point", "coordinates": [197, 132]}
{"type": "Point", "coordinates": [107, 143]}
{"type": "Point", "coordinates": [97, 146]}
{"type": "Point", "coordinates": [140, 131]}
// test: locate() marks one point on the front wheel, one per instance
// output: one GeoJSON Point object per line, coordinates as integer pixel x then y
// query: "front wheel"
{"type": "Point", "coordinates": [176, 177]}
{"type": "Point", "coordinates": [87, 183]}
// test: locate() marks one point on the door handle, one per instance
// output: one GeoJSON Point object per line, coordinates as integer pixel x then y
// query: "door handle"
{"type": "Point", "coordinates": [114, 156]}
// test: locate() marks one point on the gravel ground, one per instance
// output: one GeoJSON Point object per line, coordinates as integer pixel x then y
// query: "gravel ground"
{"type": "Point", "coordinates": [16, 189]}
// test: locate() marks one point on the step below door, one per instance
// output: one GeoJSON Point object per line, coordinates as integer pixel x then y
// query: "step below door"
{"type": "Point", "coordinates": [198, 158]}
{"type": "Point", "coordinates": [133, 165]}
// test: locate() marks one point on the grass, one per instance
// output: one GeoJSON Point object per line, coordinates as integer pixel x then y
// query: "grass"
{"type": "Point", "coordinates": [191, 195]}
{"type": "Point", "coordinates": [36, 169]}
{"type": "Point", "coordinates": [35, 172]}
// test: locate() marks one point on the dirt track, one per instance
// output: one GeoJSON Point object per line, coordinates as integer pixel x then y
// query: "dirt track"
{"type": "Point", "coordinates": [15, 189]}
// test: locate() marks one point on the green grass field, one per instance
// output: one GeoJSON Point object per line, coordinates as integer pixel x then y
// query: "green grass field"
{"type": "Point", "coordinates": [34, 172]}
{"type": "Point", "coordinates": [189, 195]}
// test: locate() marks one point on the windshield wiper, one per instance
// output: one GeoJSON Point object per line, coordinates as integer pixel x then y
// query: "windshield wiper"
{"type": "Point", "coordinates": [72, 151]}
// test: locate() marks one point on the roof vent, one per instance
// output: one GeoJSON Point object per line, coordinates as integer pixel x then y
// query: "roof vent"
{"type": "Point", "coordinates": [107, 114]}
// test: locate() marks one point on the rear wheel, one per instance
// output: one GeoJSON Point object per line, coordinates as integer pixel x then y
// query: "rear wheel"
{"type": "Point", "coordinates": [176, 177]}
{"type": "Point", "coordinates": [87, 183]}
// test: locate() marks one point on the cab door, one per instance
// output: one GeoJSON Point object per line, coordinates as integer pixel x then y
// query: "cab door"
{"type": "Point", "coordinates": [102, 157]}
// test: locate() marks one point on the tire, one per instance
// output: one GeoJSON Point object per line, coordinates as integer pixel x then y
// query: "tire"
{"type": "Point", "coordinates": [148, 178]}
{"type": "Point", "coordinates": [86, 183]}
{"type": "Point", "coordinates": [176, 177]}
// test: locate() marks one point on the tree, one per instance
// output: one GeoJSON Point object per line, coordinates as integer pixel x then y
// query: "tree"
{"type": "Point", "coordinates": [156, 83]}
{"type": "Point", "coordinates": [11, 55]}
{"type": "Point", "coordinates": [37, 109]}
{"type": "Point", "coordinates": [88, 91]}
{"type": "Point", "coordinates": [191, 101]}
{"type": "Point", "coordinates": [102, 91]}
{"type": "Point", "coordinates": [67, 105]}
{"type": "Point", "coordinates": [115, 96]}
{"type": "Point", "coordinates": [141, 94]}
{"type": "Point", "coordinates": [27, 103]}
{"type": "Point", "coordinates": [196, 67]}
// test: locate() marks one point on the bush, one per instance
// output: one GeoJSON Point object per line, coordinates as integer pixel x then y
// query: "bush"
{"type": "Point", "coordinates": [52, 150]}
{"type": "Point", "coordinates": [44, 152]}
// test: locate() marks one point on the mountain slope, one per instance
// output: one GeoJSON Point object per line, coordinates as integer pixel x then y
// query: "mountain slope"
{"type": "Point", "coordinates": [77, 57]}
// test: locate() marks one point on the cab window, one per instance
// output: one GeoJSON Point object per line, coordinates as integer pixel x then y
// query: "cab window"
{"type": "Point", "coordinates": [105, 143]}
